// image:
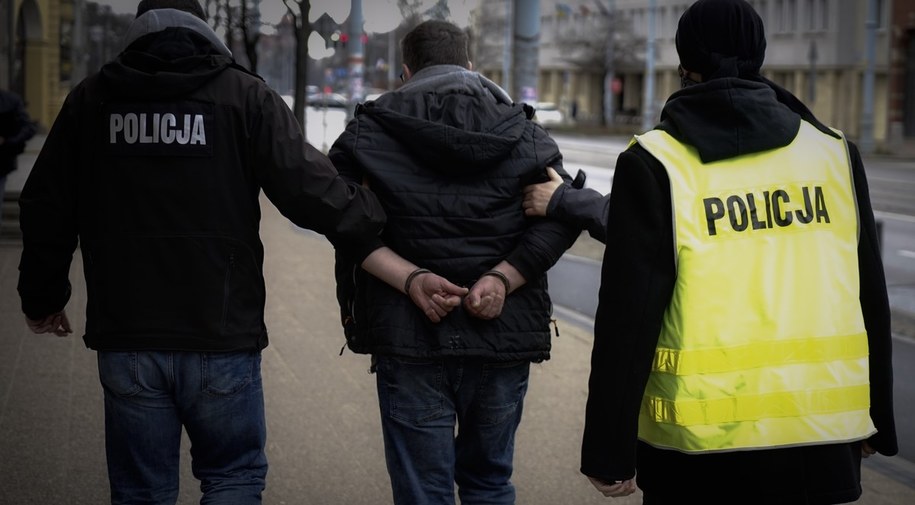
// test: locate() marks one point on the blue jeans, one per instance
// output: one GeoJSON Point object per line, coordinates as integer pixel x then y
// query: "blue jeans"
{"type": "Point", "coordinates": [423, 401]}
{"type": "Point", "coordinates": [217, 397]}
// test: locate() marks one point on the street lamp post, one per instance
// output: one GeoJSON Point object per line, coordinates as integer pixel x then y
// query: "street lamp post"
{"type": "Point", "coordinates": [526, 50]}
{"type": "Point", "coordinates": [10, 42]}
{"type": "Point", "coordinates": [356, 57]}
{"type": "Point", "coordinates": [866, 142]}
{"type": "Point", "coordinates": [609, 63]}
{"type": "Point", "coordinates": [648, 113]}
{"type": "Point", "coordinates": [507, 47]}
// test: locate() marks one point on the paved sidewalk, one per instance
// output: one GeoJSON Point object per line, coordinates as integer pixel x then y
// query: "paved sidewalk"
{"type": "Point", "coordinates": [323, 428]}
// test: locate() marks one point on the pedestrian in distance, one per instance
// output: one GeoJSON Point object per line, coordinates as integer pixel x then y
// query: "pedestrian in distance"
{"type": "Point", "coordinates": [16, 128]}
{"type": "Point", "coordinates": [742, 343]}
{"type": "Point", "coordinates": [154, 166]}
{"type": "Point", "coordinates": [447, 154]}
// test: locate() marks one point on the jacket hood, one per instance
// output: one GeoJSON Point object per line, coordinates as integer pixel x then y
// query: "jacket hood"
{"type": "Point", "coordinates": [729, 117]}
{"type": "Point", "coordinates": [451, 118]}
{"type": "Point", "coordinates": [167, 53]}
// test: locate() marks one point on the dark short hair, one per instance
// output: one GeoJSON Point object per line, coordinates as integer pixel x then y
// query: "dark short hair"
{"type": "Point", "coordinates": [435, 42]}
{"type": "Point", "coordinates": [191, 6]}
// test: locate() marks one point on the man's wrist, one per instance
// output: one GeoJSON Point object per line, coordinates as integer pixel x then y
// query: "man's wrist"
{"type": "Point", "coordinates": [502, 277]}
{"type": "Point", "coordinates": [413, 275]}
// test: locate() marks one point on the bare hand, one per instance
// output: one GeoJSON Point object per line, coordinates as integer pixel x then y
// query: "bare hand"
{"type": "Point", "coordinates": [56, 323]}
{"type": "Point", "coordinates": [866, 449]}
{"type": "Point", "coordinates": [435, 295]}
{"type": "Point", "coordinates": [486, 298]}
{"type": "Point", "coordinates": [537, 196]}
{"type": "Point", "coordinates": [616, 489]}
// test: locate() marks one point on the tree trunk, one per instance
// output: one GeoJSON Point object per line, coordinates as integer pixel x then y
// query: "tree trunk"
{"type": "Point", "coordinates": [302, 32]}
{"type": "Point", "coordinates": [250, 39]}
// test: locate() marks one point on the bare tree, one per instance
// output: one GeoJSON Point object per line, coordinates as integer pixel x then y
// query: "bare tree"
{"type": "Point", "coordinates": [241, 22]}
{"type": "Point", "coordinates": [298, 10]}
{"type": "Point", "coordinates": [487, 39]}
{"type": "Point", "coordinates": [249, 26]}
{"type": "Point", "coordinates": [618, 50]}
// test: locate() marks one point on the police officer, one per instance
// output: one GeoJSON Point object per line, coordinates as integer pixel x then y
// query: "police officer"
{"type": "Point", "coordinates": [742, 349]}
{"type": "Point", "coordinates": [155, 165]}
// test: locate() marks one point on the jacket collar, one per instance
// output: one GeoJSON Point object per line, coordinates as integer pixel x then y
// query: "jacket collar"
{"type": "Point", "coordinates": [445, 78]}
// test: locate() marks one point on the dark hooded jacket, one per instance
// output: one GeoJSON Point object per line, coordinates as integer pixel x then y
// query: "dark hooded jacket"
{"type": "Point", "coordinates": [155, 165]}
{"type": "Point", "coordinates": [724, 119]}
{"type": "Point", "coordinates": [448, 155]}
{"type": "Point", "coordinates": [16, 129]}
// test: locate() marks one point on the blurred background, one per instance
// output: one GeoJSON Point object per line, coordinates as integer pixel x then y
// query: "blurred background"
{"type": "Point", "coordinates": [585, 64]}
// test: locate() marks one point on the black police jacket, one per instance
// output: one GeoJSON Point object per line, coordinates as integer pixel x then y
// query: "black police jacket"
{"type": "Point", "coordinates": [155, 165]}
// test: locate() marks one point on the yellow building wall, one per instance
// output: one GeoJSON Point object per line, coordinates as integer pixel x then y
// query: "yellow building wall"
{"type": "Point", "coordinates": [43, 94]}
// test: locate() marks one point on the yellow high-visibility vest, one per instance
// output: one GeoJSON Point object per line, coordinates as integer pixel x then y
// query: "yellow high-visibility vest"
{"type": "Point", "coordinates": [763, 344]}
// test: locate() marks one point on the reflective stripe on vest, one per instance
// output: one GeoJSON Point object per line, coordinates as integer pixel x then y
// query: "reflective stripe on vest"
{"type": "Point", "coordinates": [763, 343]}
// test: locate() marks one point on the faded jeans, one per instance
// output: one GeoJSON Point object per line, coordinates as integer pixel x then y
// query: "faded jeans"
{"type": "Point", "coordinates": [216, 397]}
{"type": "Point", "coordinates": [423, 402]}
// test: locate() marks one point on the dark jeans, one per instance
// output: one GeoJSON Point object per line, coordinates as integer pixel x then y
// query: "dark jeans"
{"type": "Point", "coordinates": [218, 399]}
{"type": "Point", "coordinates": [423, 401]}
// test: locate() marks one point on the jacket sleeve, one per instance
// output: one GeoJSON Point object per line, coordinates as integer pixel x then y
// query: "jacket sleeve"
{"type": "Point", "coordinates": [545, 240]}
{"type": "Point", "coordinates": [341, 156]}
{"type": "Point", "coordinates": [47, 218]}
{"type": "Point", "coordinates": [875, 307]}
{"type": "Point", "coordinates": [637, 281]}
{"type": "Point", "coordinates": [303, 183]}
{"type": "Point", "coordinates": [583, 208]}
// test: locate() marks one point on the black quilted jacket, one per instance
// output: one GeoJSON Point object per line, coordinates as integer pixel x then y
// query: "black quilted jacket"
{"type": "Point", "coordinates": [448, 155]}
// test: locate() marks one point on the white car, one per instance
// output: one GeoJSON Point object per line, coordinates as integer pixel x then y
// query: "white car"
{"type": "Point", "coordinates": [323, 124]}
{"type": "Point", "coordinates": [547, 114]}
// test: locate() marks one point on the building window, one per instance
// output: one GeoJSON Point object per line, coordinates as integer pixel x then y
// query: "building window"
{"type": "Point", "coordinates": [790, 15]}
{"type": "Point", "coordinates": [810, 14]}
{"type": "Point", "coordinates": [779, 16]}
{"type": "Point", "coordinates": [824, 15]}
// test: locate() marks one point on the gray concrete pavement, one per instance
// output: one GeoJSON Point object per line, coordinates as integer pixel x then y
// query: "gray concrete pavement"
{"type": "Point", "coordinates": [324, 435]}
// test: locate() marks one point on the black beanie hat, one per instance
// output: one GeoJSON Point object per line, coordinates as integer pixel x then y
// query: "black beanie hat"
{"type": "Point", "coordinates": [191, 6]}
{"type": "Point", "coordinates": [725, 38]}
{"type": "Point", "coordinates": [721, 38]}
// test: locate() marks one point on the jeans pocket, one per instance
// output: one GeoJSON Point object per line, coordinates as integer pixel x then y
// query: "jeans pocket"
{"type": "Point", "coordinates": [227, 373]}
{"type": "Point", "coordinates": [411, 388]}
{"type": "Point", "coordinates": [502, 389]}
{"type": "Point", "coordinates": [119, 372]}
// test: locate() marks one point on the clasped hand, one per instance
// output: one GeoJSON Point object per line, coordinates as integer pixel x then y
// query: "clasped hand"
{"type": "Point", "coordinates": [437, 296]}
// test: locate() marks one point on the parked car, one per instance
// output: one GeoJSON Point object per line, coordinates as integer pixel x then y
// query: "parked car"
{"type": "Point", "coordinates": [331, 100]}
{"type": "Point", "coordinates": [548, 114]}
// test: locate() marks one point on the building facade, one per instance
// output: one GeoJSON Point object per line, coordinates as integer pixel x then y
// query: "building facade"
{"type": "Point", "coordinates": [35, 60]}
{"type": "Point", "coordinates": [901, 108]}
{"type": "Point", "coordinates": [592, 52]}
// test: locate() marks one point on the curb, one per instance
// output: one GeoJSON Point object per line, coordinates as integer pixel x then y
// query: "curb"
{"type": "Point", "coordinates": [902, 323]}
